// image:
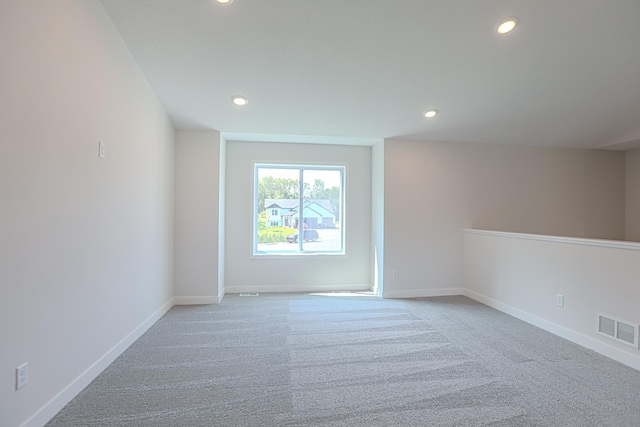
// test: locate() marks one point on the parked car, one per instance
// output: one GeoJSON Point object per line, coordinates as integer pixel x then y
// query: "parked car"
{"type": "Point", "coordinates": [308, 236]}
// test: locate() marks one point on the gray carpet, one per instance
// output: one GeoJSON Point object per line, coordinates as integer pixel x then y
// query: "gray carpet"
{"type": "Point", "coordinates": [312, 360]}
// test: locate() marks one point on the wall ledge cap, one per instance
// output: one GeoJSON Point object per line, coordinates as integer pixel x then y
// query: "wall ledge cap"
{"type": "Point", "coordinates": [616, 244]}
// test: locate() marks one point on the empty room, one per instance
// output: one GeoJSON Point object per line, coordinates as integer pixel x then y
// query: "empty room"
{"type": "Point", "coordinates": [319, 213]}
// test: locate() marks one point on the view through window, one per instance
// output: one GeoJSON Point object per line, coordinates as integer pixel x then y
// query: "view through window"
{"type": "Point", "coordinates": [298, 209]}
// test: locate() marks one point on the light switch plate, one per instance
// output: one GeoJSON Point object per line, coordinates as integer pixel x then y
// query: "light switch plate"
{"type": "Point", "coordinates": [101, 150]}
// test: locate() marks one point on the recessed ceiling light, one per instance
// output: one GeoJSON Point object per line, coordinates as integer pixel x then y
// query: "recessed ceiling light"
{"type": "Point", "coordinates": [239, 100]}
{"type": "Point", "coordinates": [431, 113]}
{"type": "Point", "coordinates": [506, 26]}
{"type": "Point", "coordinates": [224, 1]}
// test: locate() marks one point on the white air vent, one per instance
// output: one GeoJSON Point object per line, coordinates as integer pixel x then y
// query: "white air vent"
{"type": "Point", "coordinates": [249, 295]}
{"type": "Point", "coordinates": [619, 330]}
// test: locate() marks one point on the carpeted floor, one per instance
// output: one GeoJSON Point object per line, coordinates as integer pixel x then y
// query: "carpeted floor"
{"type": "Point", "coordinates": [333, 360]}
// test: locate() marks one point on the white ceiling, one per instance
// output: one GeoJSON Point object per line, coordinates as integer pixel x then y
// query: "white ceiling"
{"type": "Point", "coordinates": [359, 71]}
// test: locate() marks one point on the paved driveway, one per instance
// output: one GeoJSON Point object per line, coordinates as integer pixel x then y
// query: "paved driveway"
{"type": "Point", "coordinates": [328, 240]}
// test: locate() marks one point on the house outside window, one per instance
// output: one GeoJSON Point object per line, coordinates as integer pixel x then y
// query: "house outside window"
{"type": "Point", "coordinates": [293, 201]}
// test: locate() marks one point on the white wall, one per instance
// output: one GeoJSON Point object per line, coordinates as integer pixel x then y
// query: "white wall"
{"type": "Point", "coordinates": [245, 273]}
{"type": "Point", "coordinates": [86, 261]}
{"type": "Point", "coordinates": [197, 219]}
{"type": "Point", "coordinates": [433, 190]}
{"type": "Point", "coordinates": [632, 191]}
{"type": "Point", "coordinates": [522, 274]}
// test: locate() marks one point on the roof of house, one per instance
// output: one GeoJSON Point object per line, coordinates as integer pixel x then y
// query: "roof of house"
{"type": "Point", "coordinates": [315, 208]}
{"type": "Point", "coordinates": [293, 203]}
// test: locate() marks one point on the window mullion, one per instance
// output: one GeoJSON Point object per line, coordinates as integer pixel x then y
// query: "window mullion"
{"type": "Point", "coordinates": [300, 209]}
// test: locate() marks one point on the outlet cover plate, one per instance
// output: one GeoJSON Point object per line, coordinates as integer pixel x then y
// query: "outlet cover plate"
{"type": "Point", "coordinates": [22, 376]}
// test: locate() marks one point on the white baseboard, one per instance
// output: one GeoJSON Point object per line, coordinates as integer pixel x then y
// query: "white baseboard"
{"type": "Point", "coordinates": [202, 300]}
{"type": "Point", "coordinates": [51, 408]}
{"type": "Point", "coordinates": [296, 288]}
{"type": "Point", "coordinates": [422, 293]}
{"type": "Point", "coordinates": [571, 335]}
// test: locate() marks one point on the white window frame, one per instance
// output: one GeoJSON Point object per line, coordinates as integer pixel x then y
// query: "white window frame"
{"type": "Point", "coordinates": [301, 251]}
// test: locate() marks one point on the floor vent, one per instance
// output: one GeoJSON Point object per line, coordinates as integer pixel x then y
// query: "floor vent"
{"type": "Point", "coordinates": [619, 330]}
{"type": "Point", "coordinates": [249, 295]}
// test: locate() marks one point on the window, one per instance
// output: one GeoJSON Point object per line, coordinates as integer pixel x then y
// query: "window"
{"type": "Point", "coordinates": [293, 201]}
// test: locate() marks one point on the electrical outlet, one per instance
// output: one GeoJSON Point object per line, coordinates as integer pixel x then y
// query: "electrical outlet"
{"type": "Point", "coordinates": [22, 376]}
{"type": "Point", "coordinates": [560, 300]}
{"type": "Point", "coordinates": [395, 274]}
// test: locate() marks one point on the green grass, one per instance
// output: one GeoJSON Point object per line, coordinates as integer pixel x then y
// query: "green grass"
{"type": "Point", "coordinates": [274, 234]}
